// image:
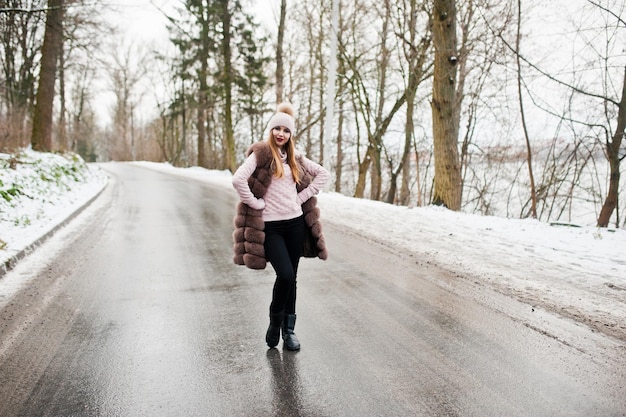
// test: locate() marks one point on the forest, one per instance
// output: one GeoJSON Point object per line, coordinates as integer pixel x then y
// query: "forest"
{"type": "Point", "coordinates": [509, 108]}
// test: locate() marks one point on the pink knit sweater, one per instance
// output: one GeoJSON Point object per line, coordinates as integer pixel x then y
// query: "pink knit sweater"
{"type": "Point", "coordinates": [281, 200]}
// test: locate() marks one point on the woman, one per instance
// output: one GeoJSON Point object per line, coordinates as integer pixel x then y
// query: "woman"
{"type": "Point", "coordinates": [277, 217]}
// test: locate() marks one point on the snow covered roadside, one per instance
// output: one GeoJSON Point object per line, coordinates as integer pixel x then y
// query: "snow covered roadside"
{"type": "Point", "coordinates": [39, 193]}
{"type": "Point", "coordinates": [576, 272]}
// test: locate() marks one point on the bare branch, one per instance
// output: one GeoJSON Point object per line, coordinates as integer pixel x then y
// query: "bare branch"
{"type": "Point", "coordinates": [544, 73]}
{"type": "Point", "coordinates": [598, 5]}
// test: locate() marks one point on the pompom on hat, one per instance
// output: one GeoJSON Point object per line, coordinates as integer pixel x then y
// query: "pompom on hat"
{"type": "Point", "coordinates": [283, 117]}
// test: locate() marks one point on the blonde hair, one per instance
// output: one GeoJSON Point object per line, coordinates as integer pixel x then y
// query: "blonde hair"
{"type": "Point", "coordinates": [284, 117]}
{"type": "Point", "coordinates": [277, 161]}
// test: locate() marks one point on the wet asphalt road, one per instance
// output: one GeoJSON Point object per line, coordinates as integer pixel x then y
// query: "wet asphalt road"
{"type": "Point", "coordinates": [135, 309]}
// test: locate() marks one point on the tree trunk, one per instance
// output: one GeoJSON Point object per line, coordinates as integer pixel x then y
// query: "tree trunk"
{"type": "Point", "coordinates": [62, 128]}
{"type": "Point", "coordinates": [41, 139]}
{"type": "Point", "coordinates": [529, 155]}
{"type": "Point", "coordinates": [341, 87]}
{"type": "Point", "coordinates": [203, 91]}
{"type": "Point", "coordinates": [612, 149]}
{"type": "Point", "coordinates": [405, 165]}
{"type": "Point", "coordinates": [364, 166]}
{"type": "Point", "coordinates": [339, 155]}
{"type": "Point", "coordinates": [376, 170]}
{"type": "Point", "coordinates": [377, 139]}
{"type": "Point", "coordinates": [447, 181]}
{"type": "Point", "coordinates": [229, 136]}
{"type": "Point", "coordinates": [279, 52]}
{"type": "Point", "coordinates": [415, 71]}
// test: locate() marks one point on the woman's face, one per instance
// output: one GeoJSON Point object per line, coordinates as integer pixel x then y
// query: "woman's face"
{"type": "Point", "coordinates": [281, 135]}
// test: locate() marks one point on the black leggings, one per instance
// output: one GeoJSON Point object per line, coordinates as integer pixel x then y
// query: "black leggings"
{"type": "Point", "coordinates": [283, 247]}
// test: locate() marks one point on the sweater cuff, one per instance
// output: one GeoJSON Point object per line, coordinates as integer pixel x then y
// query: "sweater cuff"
{"type": "Point", "coordinates": [303, 196]}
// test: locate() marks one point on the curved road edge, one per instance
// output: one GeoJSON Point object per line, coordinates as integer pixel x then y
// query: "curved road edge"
{"type": "Point", "coordinates": [10, 263]}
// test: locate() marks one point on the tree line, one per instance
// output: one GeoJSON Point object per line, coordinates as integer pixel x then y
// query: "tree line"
{"type": "Point", "coordinates": [468, 104]}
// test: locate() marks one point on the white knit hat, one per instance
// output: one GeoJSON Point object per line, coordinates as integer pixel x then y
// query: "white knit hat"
{"type": "Point", "coordinates": [283, 117]}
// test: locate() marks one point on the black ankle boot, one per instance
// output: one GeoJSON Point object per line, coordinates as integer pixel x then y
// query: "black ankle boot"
{"type": "Point", "coordinates": [273, 331]}
{"type": "Point", "coordinates": [289, 337]}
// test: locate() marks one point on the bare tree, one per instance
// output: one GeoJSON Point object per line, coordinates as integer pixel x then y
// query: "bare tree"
{"type": "Point", "coordinates": [368, 71]}
{"type": "Point", "coordinates": [615, 155]}
{"type": "Point", "coordinates": [79, 68]}
{"type": "Point", "coordinates": [529, 159]}
{"type": "Point", "coordinates": [20, 44]}
{"type": "Point", "coordinates": [342, 99]}
{"type": "Point", "coordinates": [126, 74]}
{"type": "Point", "coordinates": [170, 130]}
{"type": "Point", "coordinates": [83, 128]}
{"type": "Point", "coordinates": [416, 54]}
{"type": "Point", "coordinates": [479, 86]}
{"type": "Point", "coordinates": [609, 123]}
{"type": "Point", "coordinates": [307, 61]}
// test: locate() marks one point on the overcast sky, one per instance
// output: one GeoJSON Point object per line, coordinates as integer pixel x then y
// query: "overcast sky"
{"type": "Point", "coordinates": [143, 19]}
